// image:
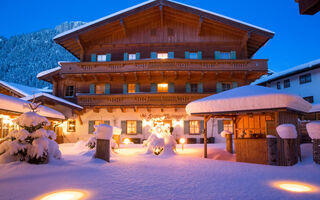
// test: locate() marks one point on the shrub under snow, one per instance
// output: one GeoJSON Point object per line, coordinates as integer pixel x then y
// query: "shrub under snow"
{"type": "Point", "coordinates": [287, 131]}
{"type": "Point", "coordinates": [32, 143]}
{"type": "Point", "coordinates": [105, 132]}
{"type": "Point", "coordinates": [313, 129]}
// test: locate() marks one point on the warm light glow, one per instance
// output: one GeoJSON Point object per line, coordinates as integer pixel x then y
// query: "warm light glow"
{"type": "Point", "coordinates": [162, 87]}
{"type": "Point", "coordinates": [65, 195]}
{"type": "Point", "coordinates": [162, 55]}
{"type": "Point", "coordinates": [177, 123]}
{"type": "Point", "coordinates": [126, 141]}
{"type": "Point", "coordinates": [298, 187]}
{"type": "Point", "coordinates": [147, 123]}
{"type": "Point", "coordinates": [182, 140]}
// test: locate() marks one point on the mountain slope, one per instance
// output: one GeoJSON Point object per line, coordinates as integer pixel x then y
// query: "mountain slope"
{"type": "Point", "coordinates": [22, 57]}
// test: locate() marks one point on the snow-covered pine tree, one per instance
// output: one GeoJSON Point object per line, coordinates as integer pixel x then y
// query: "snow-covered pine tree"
{"type": "Point", "coordinates": [32, 143]}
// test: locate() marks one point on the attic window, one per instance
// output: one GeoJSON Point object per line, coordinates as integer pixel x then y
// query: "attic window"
{"type": "Point", "coordinates": [153, 32]}
{"type": "Point", "coordinates": [170, 32]}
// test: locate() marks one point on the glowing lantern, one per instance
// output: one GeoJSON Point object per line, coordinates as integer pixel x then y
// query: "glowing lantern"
{"type": "Point", "coordinates": [126, 141]}
{"type": "Point", "coordinates": [182, 141]}
{"type": "Point", "coordinates": [295, 186]}
{"type": "Point", "coordinates": [64, 195]}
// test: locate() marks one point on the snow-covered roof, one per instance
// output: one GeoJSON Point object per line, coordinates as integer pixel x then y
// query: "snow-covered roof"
{"type": "Point", "coordinates": [315, 108]}
{"type": "Point", "coordinates": [22, 89]}
{"type": "Point", "coordinates": [43, 73]}
{"type": "Point", "coordinates": [288, 72]}
{"type": "Point", "coordinates": [52, 97]}
{"type": "Point", "coordinates": [14, 104]}
{"type": "Point", "coordinates": [150, 1]}
{"type": "Point", "coordinates": [248, 98]}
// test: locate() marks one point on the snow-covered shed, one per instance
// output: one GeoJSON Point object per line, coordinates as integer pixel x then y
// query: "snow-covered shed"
{"type": "Point", "coordinates": [256, 111]}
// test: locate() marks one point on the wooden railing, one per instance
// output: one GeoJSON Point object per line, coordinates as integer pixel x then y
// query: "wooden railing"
{"type": "Point", "coordinates": [142, 99]}
{"type": "Point", "coordinates": [163, 65]}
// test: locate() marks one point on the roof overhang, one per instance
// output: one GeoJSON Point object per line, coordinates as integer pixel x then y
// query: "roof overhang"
{"type": "Point", "coordinates": [309, 7]}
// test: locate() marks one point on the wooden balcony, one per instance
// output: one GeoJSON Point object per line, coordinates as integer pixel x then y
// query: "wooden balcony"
{"type": "Point", "coordinates": [139, 99]}
{"type": "Point", "coordinates": [163, 65]}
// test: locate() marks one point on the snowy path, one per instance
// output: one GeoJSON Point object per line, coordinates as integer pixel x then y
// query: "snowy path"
{"type": "Point", "coordinates": [134, 176]}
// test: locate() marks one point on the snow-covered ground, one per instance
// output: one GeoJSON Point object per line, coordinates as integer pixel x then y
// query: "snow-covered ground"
{"type": "Point", "coordinates": [134, 175]}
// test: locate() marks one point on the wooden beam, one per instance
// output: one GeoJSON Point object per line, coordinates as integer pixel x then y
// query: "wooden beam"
{"type": "Point", "coordinates": [176, 75]}
{"type": "Point", "coordinates": [96, 110]}
{"type": "Point", "coordinates": [161, 16]}
{"type": "Point", "coordinates": [135, 109]}
{"type": "Point", "coordinates": [189, 75]}
{"type": "Point", "coordinates": [205, 134]}
{"type": "Point", "coordinates": [135, 76]}
{"type": "Point", "coordinates": [82, 50]}
{"type": "Point", "coordinates": [149, 75]}
{"type": "Point", "coordinates": [148, 109]}
{"type": "Point", "coordinates": [123, 109]}
{"type": "Point", "coordinates": [202, 76]}
{"type": "Point", "coordinates": [109, 109]}
{"type": "Point", "coordinates": [162, 75]}
{"type": "Point", "coordinates": [123, 27]}
{"type": "Point", "coordinates": [200, 25]}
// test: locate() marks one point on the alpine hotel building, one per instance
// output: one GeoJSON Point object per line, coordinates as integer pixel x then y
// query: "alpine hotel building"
{"type": "Point", "coordinates": [149, 61]}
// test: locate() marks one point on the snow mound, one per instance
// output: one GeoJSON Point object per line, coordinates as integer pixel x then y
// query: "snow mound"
{"type": "Point", "coordinates": [313, 129]}
{"type": "Point", "coordinates": [104, 132]}
{"type": "Point", "coordinates": [166, 145]}
{"type": "Point", "coordinates": [224, 133]}
{"type": "Point", "coordinates": [31, 119]}
{"type": "Point", "coordinates": [287, 131]}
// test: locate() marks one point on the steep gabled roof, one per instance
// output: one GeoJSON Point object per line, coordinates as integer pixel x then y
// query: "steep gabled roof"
{"type": "Point", "coordinates": [22, 90]}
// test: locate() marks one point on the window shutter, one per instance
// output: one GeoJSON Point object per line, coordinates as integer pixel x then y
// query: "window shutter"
{"type": "Point", "coordinates": [125, 56]}
{"type": "Point", "coordinates": [123, 127]}
{"type": "Point", "coordinates": [139, 127]}
{"type": "Point", "coordinates": [93, 57]}
{"type": "Point", "coordinates": [186, 127]}
{"type": "Point", "coordinates": [188, 88]}
{"type": "Point", "coordinates": [90, 127]}
{"type": "Point", "coordinates": [137, 87]}
{"type": "Point", "coordinates": [171, 55]}
{"type": "Point", "coordinates": [220, 126]}
{"type": "Point", "coordinates": [200, 88]}
{"type": "Point", "coordinates": [107, 122]}
{"type": "Point", "coordinates": [233, 55]}
{"type": "Point", "coordinates": [171, 87]}
{"type": "Point", "coordinates": [153, 55]}
{"type": "Point", "coordinates": [218, 87]}
{"type": "Point", "coordinates": [234, 84]}
{"type": "Point", "coordinates": [201, 126]}
{"type": "Point", "coordinates": [108, 57]}
{"type": "Point", "coordinates": [107, 88]}
{"type": "Point", "coordinates": [186, 55]}
{"type": "Point", "coordinates": [125, 88]}
{"type": "Point", "coordinates": [137, 56]}
{"type": "Point", "coordinates": [92, 88]}
{"type": "Point", "coordinates": [153, 88]}
{"type": "Point", "coordinates": [200, 55]}
{"type": "Point", "coordinates": [217, 55]}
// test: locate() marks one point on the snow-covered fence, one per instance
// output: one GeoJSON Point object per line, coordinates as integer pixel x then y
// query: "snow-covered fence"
{"type": "Point", "coordinates": [104, 134]}
{"type": "Point", "coordinates": [313, 129]}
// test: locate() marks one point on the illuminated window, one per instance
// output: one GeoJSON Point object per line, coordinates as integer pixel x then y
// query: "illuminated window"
{"type": "Point", "coordinates": [162, 55]}
{"type": "Point", "coordinates": [162, 87]}
{"type": "Point", "coordinates": [101, 58]}
{"type": "Point", "coordinates": [131, 127]}
{"type": "Point", "coordinates": [100, 88]}
{"type": "Point", "coordinates": [194, 127]}
{"type": "Point", "coordinates": [132, 56]}
{"type": "Point", "coordinates": [69, 91]}
{"type": "Point", "coordinates": [71, 126]}
{"type": "Point", "coordinates": [131, 88]}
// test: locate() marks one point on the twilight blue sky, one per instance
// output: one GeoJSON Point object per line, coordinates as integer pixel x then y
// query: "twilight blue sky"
{"type": "Point", "coordinates": [296, 38]}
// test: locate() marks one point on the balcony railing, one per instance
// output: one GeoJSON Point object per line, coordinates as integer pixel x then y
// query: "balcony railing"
{"type": "Point", "coordinates": [139, 99]}
{"type": "Point", "coordinates": [163, 65]}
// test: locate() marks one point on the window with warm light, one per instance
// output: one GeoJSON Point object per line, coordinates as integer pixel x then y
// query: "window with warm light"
{"type": "Point", "coordinates": [100, 88]}
{"type": "Point", "coordinates": [71, 126]}
{"type": "Point", "coordinates": [131, 88]}
{"type": "Point", "coordinates": [162, 87]}
{"type": "Point", "coordinates": [132, 56]}
{"type": "Point", "coordinates": [162, 56]}
{"type": "Point", "coordinates": [101, 58]}
{"type": "Point", "coordinates": [131, 127]}
{"type": "Point", "coordinates": [194, 127]}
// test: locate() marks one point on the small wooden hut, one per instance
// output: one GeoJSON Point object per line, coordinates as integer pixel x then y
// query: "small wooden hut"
{"type": "Point", "coordinates": [256, 111]}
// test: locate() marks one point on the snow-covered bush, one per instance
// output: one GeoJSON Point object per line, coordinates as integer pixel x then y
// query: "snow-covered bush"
{"type": "Point", "coordinates": [287, 131]}
{"type": "Point", "coordinates": [32, 143]}
{"type": "Point", "coordinates": [224, 133]}
{"type": "Point", "coordinates": [103, 131]}
{"type": "Point", "coordinates": [313, 129]}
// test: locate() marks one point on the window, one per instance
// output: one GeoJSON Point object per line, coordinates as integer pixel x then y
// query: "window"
{"type": "Point", "coordinates": [132, 56]}
{"type": "Point", "coordinates": [286, 83]}
{"type": "Point", "coordinates": [100, 88]}
{"type": "Point", "coordinates": [131, 127]}
{"type": "Point", "coordinates": [71, 126]}
{"type": "Point", "coordinates": [194, 127]}
{"type": "Point", "coordinates": [305, 78]}
{"type": "Point", "coordinates": [131, 88]}
{"type": "Point", "coordinates": [162, 87]}
{"type": "Point", "coordinates": [162, 55]}
{"type": "Point", "coordinates": [278, 85]}
{"type": "Point", "coordinates": [69, 91]}
{"type": "Point", "coordinates": [194, 87]}
{"type": "Point", "coordinates": [309, 99]}
{"type": "Point", "coordinates": [225, 55]}
{"type": "Point", "coordinates": [226, 86]}
{"type": "Point", "coordinates": [193, 55]}
{"type": "Point", "coordinates": [102, 58]}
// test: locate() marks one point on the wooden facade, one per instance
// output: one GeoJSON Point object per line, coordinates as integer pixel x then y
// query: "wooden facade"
{"type": "Point", "coordinates": [205, 53]}
{"type": "Point", "coordinates": [308, 7]}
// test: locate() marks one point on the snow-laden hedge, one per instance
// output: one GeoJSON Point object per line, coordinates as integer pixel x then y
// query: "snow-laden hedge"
{"type": "Point", "coordinates": [313, 129]}
{"type": "Point", "coordinates": [287, 131]}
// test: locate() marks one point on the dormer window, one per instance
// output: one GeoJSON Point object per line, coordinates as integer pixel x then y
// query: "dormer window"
{"type": "Point", "coordinates": [162, 55]}
{"type": "Point", "coordinates": [101, 58]}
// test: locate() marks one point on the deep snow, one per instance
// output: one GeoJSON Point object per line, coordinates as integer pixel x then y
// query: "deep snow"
{"type": "Point", "coordinates": [134, 175]}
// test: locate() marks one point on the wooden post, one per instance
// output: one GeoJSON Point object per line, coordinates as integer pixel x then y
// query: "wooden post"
{"type": "Point", "coordinates": [316, 150]}
{"type": "Point", "coordinates": [273, 158]}
{"type": "Point", "coordinates": [288, 152]}
{"type": "Point", "coordinates": [205, 136]}
{"type": "Point", "coordinates": [229, 146]}
{"type": "Point", "coordinates": [103, 150]}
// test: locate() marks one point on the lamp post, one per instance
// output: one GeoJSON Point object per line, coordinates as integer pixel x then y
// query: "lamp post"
{"type": "Point", "coordinates": [182, 141]}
